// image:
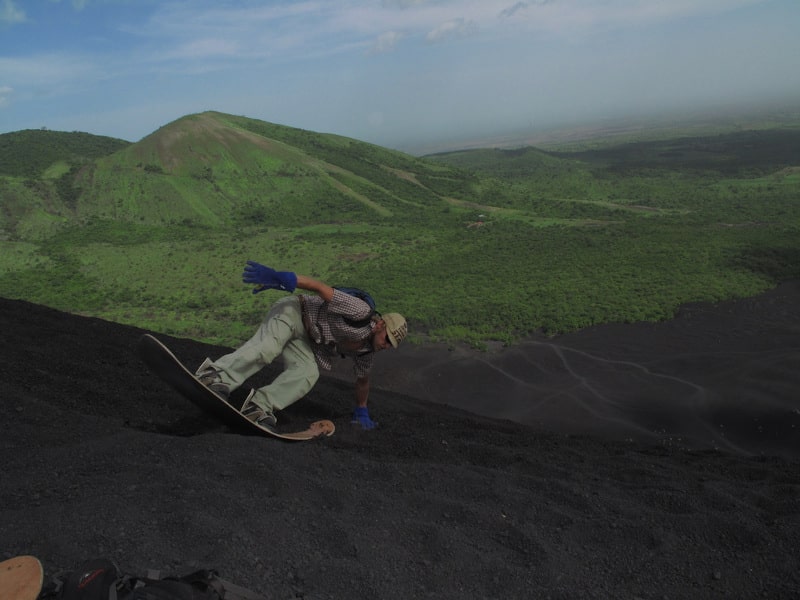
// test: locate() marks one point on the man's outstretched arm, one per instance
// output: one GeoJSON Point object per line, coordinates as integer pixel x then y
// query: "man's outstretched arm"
{"type": "Point", "coordinates": [323, 290]}
{"type": "Point", "coordinates": [267, 278]}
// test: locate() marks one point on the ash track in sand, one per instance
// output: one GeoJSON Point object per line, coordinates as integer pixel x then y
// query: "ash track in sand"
{"type": "Point", "coordinates": [717, 376]}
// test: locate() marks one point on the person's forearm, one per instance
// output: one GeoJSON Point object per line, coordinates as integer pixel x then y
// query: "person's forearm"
{"type": "Point", "coordinates": [312, 285]}
{"type": "Point", "coordinates": [362, 391]}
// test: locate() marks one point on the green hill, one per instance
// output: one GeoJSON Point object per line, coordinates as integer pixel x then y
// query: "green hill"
{"type": "Point", "coordinates": [472, 246]}
{"type": "Point", "coordinates": [32, 152]}
{"type": "Point", "coordinates": [218, 170]}
{"type": "Point", "coordinates": [37, 171]}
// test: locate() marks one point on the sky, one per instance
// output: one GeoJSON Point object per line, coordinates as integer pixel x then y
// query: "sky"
{"type": "Point", "coordinates": [400, 73]}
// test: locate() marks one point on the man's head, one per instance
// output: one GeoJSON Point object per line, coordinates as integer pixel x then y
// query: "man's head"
{"type": "Point", "coordinates": [389, 331]}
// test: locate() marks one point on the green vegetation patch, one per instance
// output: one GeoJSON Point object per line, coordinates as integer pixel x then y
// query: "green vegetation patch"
{"type": "Point", "coordinates": [472, 246]}
{"type": "Point", "coordinates": [30, 153]}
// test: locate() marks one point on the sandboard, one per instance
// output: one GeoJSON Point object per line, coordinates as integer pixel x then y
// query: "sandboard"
{"type": "Point", "coordinates": [21, 578]}
{"type": "Point", "coordinates": [161, 361]}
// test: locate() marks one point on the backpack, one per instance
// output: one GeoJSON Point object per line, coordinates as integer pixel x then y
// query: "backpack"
{"type": "Point", "coordinates": [97, 579]}
{"type": "Point", "coordinates": [361, 295]}
{"type": "Point", "coordinates": [101, 579]}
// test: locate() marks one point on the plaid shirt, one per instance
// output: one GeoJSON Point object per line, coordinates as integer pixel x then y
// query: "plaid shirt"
{"type": "Point", "coordinates": [331, 335]}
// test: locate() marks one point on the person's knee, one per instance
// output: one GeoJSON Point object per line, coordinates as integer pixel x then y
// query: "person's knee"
{"type": "Point", "coordinates": [310, 379]}
{"type": "Point", "coordinates": [313, 377]}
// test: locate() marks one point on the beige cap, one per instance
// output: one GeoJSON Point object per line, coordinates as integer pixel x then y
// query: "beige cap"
{"type": "Point", "coordinates": [396, 328]}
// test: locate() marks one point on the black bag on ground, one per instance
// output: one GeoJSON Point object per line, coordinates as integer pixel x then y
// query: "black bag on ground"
{"type": "Point", "coordinates": [96, 579]}
{"type": "Point", "coordinates": [101, 579]}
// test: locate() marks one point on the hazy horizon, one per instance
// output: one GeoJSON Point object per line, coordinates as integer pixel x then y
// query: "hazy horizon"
{"type": "Point", "coordinates": [405, 74]}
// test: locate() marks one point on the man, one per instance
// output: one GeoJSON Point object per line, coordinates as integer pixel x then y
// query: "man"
{"type": "Point", "coordinates": [308, 331]}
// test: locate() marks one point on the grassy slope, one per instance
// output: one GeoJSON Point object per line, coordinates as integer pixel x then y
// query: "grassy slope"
{"type": "Point", "coordinates": [36, 171]}
{"type": "Point", "coordinates": [30, 153]}
{"type": "Point", "coordinates": [475, 245]}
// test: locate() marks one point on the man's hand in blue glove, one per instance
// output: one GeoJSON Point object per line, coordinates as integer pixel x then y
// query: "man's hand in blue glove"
{"type": "Point", "coordinates": [361, 417]}
{"type": "Point", "coordinates": [265, 278]}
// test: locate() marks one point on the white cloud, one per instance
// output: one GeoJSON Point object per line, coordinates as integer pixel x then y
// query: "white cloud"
{"type": "Point", "coordinates": [556, 15]}
{"type": "Point", "coordinates": [5, 95]}
{"type": "Point", "coordinates": [46, 70]}
{"type": "Point", "coordinates": [386, 42]}
{"type": "Point", "coordinates": [511, 10]}
{"type": "Point", "coordinates": [10, 14]}
{"type": "Point", "coordinates": [303, 29]}
{"type": "Point", "coordinates": [79, 4]}
{"type": "Point", "coordinates": [455, 28]}
{"type": "Point", "coordinates": [205, 48]}
{"type": "Point", "coordinates": [402, 3]}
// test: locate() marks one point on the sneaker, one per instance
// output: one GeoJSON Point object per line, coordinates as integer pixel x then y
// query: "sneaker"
{"type": "Point", "coordinates": [210, 378]}
{"type": "Point", "coordinates": [256, 414]}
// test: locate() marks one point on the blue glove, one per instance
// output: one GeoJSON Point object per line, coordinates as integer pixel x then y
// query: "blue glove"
{"type": "Point", "coordinates": [361, 417]}
{"type": "Point", "coordinates": [268, 279]}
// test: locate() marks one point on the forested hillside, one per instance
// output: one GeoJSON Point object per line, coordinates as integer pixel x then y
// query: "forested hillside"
{"type": "Point", "coordinates": [473, 246]}
{"type": "Point", "coordinates": [31, 152]}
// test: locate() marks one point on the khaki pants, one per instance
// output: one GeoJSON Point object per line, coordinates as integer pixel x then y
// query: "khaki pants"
{"type": "Point", "coordinates": [282, 333]}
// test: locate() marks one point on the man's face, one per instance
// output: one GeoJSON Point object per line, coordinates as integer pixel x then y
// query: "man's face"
{"type": "Point", "coordinates": [380, 340]}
